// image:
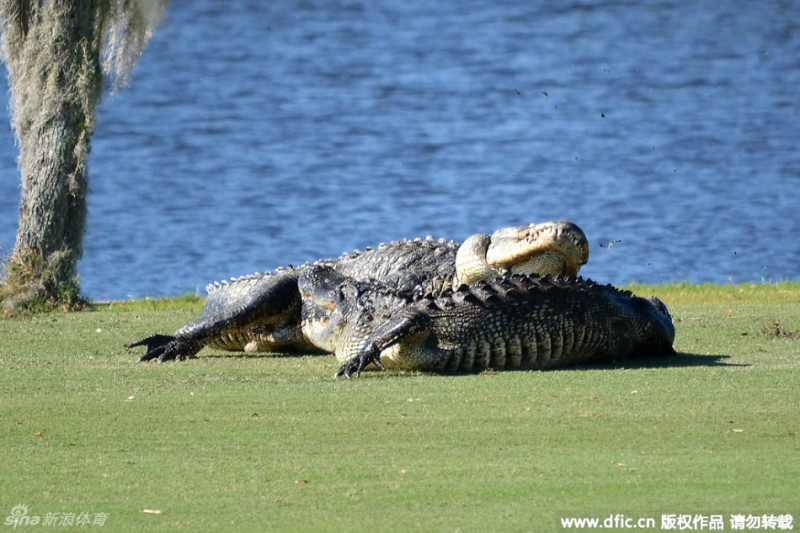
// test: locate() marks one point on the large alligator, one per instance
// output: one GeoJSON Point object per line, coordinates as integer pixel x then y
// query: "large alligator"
{"type": "Point", "coordinates": [262, 312]}
{"type": "Point", "coordinates": [519, 321]}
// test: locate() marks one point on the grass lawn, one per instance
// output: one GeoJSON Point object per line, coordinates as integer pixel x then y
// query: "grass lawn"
{"type": "Point", "coordinates": [272, 442]}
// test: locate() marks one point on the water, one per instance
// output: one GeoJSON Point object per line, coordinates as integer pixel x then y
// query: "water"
{"type": "Point", "coordinates": [256, 134]}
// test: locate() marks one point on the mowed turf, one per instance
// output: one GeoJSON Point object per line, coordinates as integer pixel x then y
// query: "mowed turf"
{"type": "Point", "coordinates": [272, 442]}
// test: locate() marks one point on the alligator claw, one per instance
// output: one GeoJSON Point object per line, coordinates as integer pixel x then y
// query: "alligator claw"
{"type": "Point", "coordinates": [368, 354]}
{"type": "Point", "coordinates": [163, 347]}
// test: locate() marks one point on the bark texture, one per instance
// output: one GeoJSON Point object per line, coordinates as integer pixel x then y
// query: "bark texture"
{"type": "Point", "coordinates": [53, 60]}
{"type": "Point", "coordinates": [54, 52]}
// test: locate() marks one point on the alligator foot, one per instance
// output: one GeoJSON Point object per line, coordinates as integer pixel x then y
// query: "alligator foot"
{"type": "Point", "coordinates": [370, 353]}
{"type": "Point", "coordinates": [165, 348]}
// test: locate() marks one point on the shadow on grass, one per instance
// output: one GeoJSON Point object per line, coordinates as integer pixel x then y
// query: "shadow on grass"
{"type": "Point", "coordinates": [665, 361]}
{"type": "Point", "coordinates": [668, 361]}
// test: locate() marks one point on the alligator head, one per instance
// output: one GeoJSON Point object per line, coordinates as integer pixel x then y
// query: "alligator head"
{"type": "Point", "coordinates": [324, 303]}
{"type": "Point", "coordinates": [653, 329]}
{"type": "Point", "coordinates": [552, 248]}
{"type": "Point", "coordinates": [337, 308]}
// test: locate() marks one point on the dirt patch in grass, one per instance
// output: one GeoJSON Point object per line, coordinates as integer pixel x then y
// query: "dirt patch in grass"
{"type": "Point", "coordinates": [776, 330]}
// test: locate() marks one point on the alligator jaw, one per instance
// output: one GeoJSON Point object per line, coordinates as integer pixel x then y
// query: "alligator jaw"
{"type": "Point", "coordinates": [553, 248]}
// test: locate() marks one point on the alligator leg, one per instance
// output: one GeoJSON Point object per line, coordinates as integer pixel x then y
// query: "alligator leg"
{"type": "Point", "coordinates": [236, 314]}
{"type": "Point", "coordinates": [369, 353]}
{"type": "Point", "coordinates": [409, 324]}
{"type": "Point", "coordinates": [165, 347]}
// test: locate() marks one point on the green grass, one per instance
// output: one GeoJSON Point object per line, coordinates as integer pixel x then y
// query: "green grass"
{"type": "Point", "coordinates": [272, 442]}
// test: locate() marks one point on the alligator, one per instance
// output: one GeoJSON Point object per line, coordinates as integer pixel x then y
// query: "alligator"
{"type": "Point", "coordinates": [262, 312]}
{"type": "Point", "coordinates": [515, 322]}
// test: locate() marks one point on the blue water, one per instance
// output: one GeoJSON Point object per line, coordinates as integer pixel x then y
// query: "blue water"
{"type": "Point", "coordinates": [256, 134]}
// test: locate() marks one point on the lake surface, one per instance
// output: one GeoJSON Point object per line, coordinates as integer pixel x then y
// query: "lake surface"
{"type": "Point", "coordinates": [256, 134]}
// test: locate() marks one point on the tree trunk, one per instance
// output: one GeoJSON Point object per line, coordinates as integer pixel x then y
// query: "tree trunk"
{"type": "Point", "coordinates": [54, 68]}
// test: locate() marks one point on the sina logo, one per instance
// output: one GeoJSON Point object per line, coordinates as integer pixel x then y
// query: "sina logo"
{"type": "Point", "coordinates": [19, 517]}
